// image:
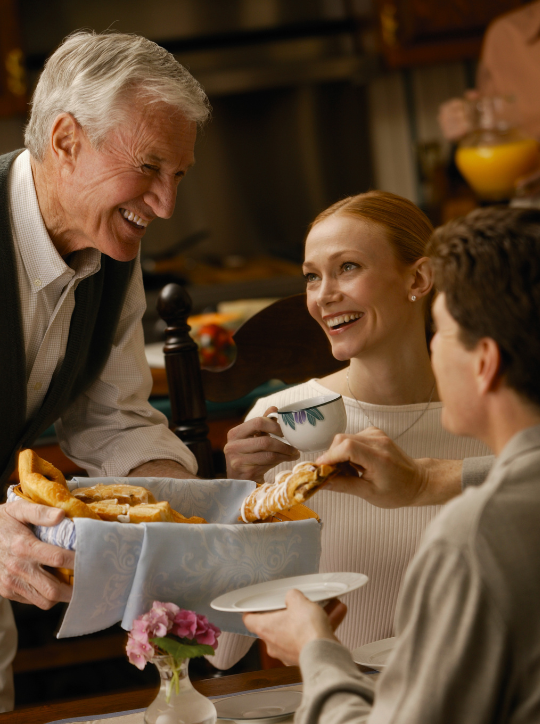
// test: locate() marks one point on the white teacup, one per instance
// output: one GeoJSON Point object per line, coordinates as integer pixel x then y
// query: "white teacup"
{"type": "Point", "coordinates": [310, 425]}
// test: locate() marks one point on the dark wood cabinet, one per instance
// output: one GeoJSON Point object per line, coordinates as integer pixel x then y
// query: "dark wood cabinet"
{"type": "Point", "coordinates": [13, 88]}
{"type": "Point", "coordinates": [415, 32]}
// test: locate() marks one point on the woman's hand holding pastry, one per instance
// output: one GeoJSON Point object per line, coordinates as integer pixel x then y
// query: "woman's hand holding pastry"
{"type": "Point", "coordinates": [22, 556]}
{"type": "Point", "coordinates": [287, 632]}
{"type": "Point", "coordinates": [251, 452]}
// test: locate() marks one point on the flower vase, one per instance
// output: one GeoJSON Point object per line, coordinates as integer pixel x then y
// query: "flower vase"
{"type": "Point", "coordinates": [177, 701]}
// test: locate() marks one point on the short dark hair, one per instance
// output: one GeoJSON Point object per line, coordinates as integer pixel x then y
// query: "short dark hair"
{"type": "Point", "coordinates": [488, 266]}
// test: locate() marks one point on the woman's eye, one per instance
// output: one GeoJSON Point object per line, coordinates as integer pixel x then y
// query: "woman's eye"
{"type": "Point", "coordinates": [310, 277]}
{"type": "Point", "coordinates": [349, 266]}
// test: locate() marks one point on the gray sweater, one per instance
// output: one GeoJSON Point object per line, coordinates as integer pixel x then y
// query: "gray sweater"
{"type": "Point", "coordinates": [468, 623]}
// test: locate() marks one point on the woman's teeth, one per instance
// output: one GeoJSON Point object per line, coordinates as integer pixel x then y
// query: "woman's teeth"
{"type": "Point", "coordinates": [130, 216]}
{"type": "Point", "coordinates": [342, 319]}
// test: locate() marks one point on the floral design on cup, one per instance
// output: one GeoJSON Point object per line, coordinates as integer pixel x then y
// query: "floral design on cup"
{"type": "Point", "coordinates": [293, 420]}
{"type": "Point", "coordinates": [311, 414]}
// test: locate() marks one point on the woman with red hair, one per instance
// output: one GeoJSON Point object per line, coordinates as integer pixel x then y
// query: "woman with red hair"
{"type": "Point", "coordinates": [369, 285]}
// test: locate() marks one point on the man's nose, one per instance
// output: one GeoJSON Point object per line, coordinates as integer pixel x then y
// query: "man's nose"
{"type": "Point", "coordinates": [162, 197]}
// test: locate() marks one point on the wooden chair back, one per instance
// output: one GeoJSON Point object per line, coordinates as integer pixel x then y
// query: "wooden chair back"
{"type": "Point", "coordinates": [281, 342]}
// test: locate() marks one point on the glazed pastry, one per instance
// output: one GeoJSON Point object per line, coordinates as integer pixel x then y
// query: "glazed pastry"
{"type": "Point", "coordinates": [42, 483]}
{"type": "Point", "coordinates": [123, 494]}
{"type": "Point", "coordinates": [290, 488]}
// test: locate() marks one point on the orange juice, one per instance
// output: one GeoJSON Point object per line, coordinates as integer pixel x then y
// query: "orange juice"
{"type": "Point", "coordinates": [492, 170]}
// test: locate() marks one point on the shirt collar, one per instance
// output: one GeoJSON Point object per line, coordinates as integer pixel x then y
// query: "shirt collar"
{"type": "Point", "coordinates": [520, 444]}
{"type": "Point", "coordinates": [42, 262]}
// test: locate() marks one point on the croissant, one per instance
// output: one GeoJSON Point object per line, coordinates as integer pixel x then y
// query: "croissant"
{"type": "Point", "coordinates": [290, 488]}
{"type": "Point", "coordinates": [42, 483]}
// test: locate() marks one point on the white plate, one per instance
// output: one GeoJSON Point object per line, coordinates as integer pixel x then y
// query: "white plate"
{"type": "Point", "coordinates": [259, 705]}
{"type": "Point", "coordinates": [270, 595]}
{"type": "Point", "coordinates": [374, 654]}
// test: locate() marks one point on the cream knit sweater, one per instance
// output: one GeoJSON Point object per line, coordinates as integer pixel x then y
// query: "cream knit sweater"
{"type": "Point", "coordinates": [356, 536]}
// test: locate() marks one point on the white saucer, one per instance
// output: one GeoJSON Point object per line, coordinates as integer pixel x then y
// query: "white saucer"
{"type": "Point", "coordinates": [259, 705]}
{"type": "Point", "coordinates": [374, 654]}
{"type": "Point", "coordinates": [270, 595]}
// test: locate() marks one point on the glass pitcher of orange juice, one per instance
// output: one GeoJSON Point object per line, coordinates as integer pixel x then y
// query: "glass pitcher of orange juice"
{"type": "Point", "coordinates": [494, 155]}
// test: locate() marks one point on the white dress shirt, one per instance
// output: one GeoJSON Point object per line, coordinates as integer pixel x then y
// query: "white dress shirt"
{"type": "Point", "coordinates": [111, 428]}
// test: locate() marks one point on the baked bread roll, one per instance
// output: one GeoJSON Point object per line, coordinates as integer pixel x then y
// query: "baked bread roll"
{"type": "Point", "coordinates": [150, 513]}
{"type": "Point", "coordinates": [44, 484]}
{"type": "Point", "coordinates": [123, 494]}
{"type": "Point", "coordinates": [290, 488]}
{"type": "Point", "coordinates": [41, 482]}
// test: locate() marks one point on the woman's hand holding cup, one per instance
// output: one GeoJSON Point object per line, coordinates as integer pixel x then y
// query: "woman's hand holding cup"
{"type": "Point", "coordinates": [251, 451]}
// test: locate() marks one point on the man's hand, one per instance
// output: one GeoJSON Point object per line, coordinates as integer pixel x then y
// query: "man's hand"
{"type": "Point", "coordinates": [389, 477]}
{"type": "Point", "coordinates": [455, 116]}
{"type": "Point", "coordinates": [22, 556]}
{"type": "Point", "coordinates": [287, 632]}
{"type": "Point", "coordinates": [251, 452]}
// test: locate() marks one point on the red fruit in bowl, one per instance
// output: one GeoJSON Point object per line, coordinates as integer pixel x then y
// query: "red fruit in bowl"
{"type": "Point", "coordinates": [216, 346]}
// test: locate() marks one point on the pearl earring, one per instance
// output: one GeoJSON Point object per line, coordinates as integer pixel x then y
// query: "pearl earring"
{"type": "Point", "coordinates": [413, 298]}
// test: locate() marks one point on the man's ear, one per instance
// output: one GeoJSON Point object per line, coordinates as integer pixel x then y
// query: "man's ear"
{"type": "Point", "coordinates": [422, 278]}
{"type": "Point", "coordinates": [488, 364]}
{"type": "Point", "coordinates": [66, 140]}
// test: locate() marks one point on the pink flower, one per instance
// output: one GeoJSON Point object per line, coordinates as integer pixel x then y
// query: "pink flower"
{"type": "Point", "coordinates": [139, 653]}
{"type": "Point", "coordinates": [185, 624]}
{"type": "Point", "coordinates": [163, 620]}
{"type": "Point", "coordinates": [159, 619]}
{"type": "Point", "coordinates": [139, 631]}
{"type": "Point", "coordinates": [206, 632]}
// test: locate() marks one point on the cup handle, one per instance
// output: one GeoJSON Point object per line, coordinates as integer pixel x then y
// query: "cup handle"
{"type": "Point", "coordinates": [275, 416]}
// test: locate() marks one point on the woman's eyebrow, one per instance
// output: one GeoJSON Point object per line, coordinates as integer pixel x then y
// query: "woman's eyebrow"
{"type": "Point", "coordinates": [336, 254]}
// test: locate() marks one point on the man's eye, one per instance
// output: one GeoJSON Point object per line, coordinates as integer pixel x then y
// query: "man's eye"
{"type": "Point", "coordinates": [310, 277]}
{"type": "Point", "coordinates": [149, 167]}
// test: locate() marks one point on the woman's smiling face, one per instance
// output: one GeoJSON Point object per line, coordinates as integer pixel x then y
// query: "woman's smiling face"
{"type": "Point", "coordinates": [357, 289]}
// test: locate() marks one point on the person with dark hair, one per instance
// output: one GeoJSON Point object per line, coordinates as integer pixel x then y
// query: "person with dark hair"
{"type": "Point", "coordinates": [468, 628]}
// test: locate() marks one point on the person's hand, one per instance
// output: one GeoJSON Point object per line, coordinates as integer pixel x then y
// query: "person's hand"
{"type": "Point", "coordinates": [287, 632]}
{"type": "Point", "coordinates": [455, 116]}
{"type": "Point", "coordinates": [529, 185]}
{"type": "Point", "coordinates": [389, 477]}
{"type": "Point", "coordinates": [250, 452]}
{"type": "Point", "coordinates": [22, 556]}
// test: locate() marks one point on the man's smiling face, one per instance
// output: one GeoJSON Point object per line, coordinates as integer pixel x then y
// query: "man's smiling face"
{"type": "Point", "coordinates": [111, 194]}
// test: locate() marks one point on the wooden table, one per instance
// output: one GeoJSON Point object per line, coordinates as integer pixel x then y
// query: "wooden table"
{"type": "Point", "coordinates": [140, 699]}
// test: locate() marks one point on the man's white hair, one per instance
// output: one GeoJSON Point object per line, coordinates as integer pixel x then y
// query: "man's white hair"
{"type": "Point", "coordinates": [97, 77]}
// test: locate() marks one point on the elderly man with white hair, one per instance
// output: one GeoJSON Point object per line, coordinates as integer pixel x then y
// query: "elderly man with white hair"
{"type": "Point", "coordinates": [111, 135]}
